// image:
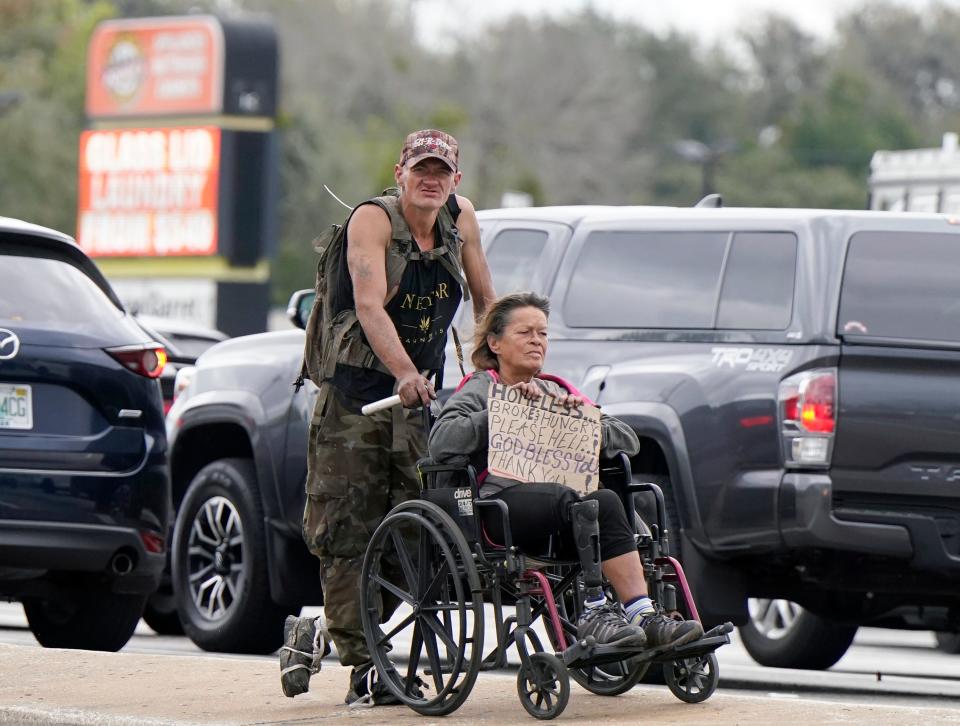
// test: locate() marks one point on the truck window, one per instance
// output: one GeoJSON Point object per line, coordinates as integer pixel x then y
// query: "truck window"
{"type": "Point", "coordinates": [646, 280]}
{"type": "Point", "coordinates": [757, 291]}
{"type": "Point", "coordinates": [512, 257]}
{"type": "Point", "coordinates": [901, 285]}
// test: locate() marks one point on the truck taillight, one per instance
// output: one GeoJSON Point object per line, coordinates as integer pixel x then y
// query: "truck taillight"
{"type": "Point", "coordinates": [808, 418]}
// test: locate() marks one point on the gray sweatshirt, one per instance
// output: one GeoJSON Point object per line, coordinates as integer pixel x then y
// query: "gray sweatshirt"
{"type": "Point", "coordinates": [462, 429]}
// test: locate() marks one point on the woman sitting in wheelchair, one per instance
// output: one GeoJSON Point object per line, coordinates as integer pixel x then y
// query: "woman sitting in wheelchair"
{"type": "Point", "coordinates": [510, 345]}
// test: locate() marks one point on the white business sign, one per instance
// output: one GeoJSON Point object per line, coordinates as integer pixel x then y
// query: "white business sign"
{"type": "Point", "coordinates": [189, 300]}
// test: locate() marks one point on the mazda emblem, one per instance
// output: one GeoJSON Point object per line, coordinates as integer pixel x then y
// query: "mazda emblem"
{"type": "Point", "coordinates": [9, 344]}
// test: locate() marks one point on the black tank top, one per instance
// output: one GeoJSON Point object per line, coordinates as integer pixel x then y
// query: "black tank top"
{"type": "Point", "coordinates": [422, 311]}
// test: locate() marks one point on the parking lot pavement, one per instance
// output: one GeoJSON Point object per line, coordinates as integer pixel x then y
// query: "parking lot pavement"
{"type": "Point", "coordinates": [49, 686]}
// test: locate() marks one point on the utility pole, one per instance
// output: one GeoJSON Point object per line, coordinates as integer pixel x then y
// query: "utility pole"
{"type": "Point", "coordinates": [697, 152]}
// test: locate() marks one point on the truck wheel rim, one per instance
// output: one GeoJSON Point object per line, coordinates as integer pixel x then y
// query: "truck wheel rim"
{"type": "Point", "coordinates": [773, 618]}
{"type": "Point", "coordinates": [215, 558]}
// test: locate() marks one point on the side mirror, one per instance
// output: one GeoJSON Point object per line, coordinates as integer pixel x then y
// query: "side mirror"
{"type": "Point", "coordinates": [299, 307]}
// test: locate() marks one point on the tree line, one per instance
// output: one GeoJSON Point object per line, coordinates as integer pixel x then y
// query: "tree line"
{"type": "Point", "coordinates": [578, 109]}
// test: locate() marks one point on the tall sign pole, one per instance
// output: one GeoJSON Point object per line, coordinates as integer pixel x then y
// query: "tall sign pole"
{"type": "Point", "coordinates": [178, 166]}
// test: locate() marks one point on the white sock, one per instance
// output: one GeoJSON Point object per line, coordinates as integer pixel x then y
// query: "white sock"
{"type": "Point", "coordinates": [639, 608]}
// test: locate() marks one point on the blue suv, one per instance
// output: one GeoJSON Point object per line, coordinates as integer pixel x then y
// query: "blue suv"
{"type": "Point", "coordinates": [84, 484]}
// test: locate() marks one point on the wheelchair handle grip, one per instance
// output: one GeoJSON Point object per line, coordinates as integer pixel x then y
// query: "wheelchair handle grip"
{"type": "Point", "coordinates": [380, 405]}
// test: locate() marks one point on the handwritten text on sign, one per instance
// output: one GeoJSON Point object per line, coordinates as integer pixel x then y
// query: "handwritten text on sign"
{"type": "Point", "coordinates": [541, 441]}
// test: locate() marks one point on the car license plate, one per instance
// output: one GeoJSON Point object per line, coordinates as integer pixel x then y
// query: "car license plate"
{"type": "Point", "coordinates": [16, 406]}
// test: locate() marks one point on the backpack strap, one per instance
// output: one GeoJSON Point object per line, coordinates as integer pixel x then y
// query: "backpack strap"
{"type": "Point", "coordinates": [447, 253]}
{"type": "Point", "coordinates": [458, 348]}
{"type": "Point", "coordinates": [450, 248]}
{"type": "Point", "coordinates": [453, 206]}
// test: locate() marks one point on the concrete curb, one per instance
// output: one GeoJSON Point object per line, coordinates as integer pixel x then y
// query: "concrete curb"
{"type": "Point", "coordinates": [84, 688]}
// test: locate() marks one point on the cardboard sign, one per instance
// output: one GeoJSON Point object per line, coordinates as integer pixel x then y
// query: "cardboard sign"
{"type": "Point", "coordinates": [541, 441]}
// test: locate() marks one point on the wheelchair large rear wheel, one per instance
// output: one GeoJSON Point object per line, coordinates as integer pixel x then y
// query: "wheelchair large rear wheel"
{"type": "Point", "coordinates": [422, 609]}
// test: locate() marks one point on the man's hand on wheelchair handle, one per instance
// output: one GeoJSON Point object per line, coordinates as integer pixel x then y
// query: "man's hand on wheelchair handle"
{"type": "Point", "coordinates": [415, 390]}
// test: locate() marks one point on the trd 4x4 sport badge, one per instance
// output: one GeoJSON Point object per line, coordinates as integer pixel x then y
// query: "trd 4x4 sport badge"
{"type": "Point", "coordinates": [765, 360]}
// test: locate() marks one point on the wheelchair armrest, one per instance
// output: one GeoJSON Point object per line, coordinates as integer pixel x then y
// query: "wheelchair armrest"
{"type": "Point", "coordinates": [504, 518]}
{"type": "Point", "coordinates": [615, 472]}
{"type": "Point", "coordinates": [429, 470]}
{"type": "Point", "coordinates": [636, 487]}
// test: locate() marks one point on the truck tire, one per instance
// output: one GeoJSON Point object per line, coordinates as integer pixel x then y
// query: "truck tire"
{"type": "Point", "coordinates": [948, 642]}
{"type": "Point", "coordinates": [94, 619]}
{"type": "Point", "coordinates": [219, 563]}
{"type": "Point", "coordinates": [781, 634]}
{"type": "Point", "coordinates": [647, 509]}
{"type": "Point", "coordinates": [161, 612]}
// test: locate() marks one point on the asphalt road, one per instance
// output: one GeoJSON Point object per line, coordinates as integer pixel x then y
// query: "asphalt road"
{"type": "Point", "coordinates": [882, 667]}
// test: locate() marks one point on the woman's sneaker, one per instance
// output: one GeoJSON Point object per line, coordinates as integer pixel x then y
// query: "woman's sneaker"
{"type": "Point", "coordinates": [662, 630]}
{"type": "Point", "coordinates": [608, 626]}
{"type": "Point", "coordinates": [304, 645]}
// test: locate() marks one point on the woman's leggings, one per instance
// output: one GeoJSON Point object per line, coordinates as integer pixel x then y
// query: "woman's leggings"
{"type": "Point", "coordinates": [539, 511]}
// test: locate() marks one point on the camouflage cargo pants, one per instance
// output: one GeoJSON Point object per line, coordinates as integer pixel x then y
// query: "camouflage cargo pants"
{"type": "Point", "coordinates": [359, 467]}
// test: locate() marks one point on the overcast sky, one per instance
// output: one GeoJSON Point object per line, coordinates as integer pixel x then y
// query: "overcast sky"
{"type": "Point", "coordinates": [710, 20]}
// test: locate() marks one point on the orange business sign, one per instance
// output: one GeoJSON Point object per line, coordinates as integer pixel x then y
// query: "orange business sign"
{"type": "Point", "coordinates": [155, 67]}
{"type": "Point", "coordinates": [149, 192]}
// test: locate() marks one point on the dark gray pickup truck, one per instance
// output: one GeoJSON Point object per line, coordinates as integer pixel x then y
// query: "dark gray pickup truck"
{"type": "Point", "coordinates": [793, 377]}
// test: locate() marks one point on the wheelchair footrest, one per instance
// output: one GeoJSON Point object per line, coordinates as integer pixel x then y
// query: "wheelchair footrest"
{"type": "Point", "coordinates": [587, 651]}
{"type": "Point", "coordinates": [722, 629]}
{"type": "Point", "coordinates": [706, 643]}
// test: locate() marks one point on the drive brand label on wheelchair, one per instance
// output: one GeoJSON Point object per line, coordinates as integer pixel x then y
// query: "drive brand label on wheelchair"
{"type": "Point", "coordinates": [540, 441]}
{"type": "Point", "coordinates": [464, 499]}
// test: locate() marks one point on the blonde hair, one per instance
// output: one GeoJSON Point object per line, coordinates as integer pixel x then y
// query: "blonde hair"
{"type": "Point", "coordinates": [495, 321]}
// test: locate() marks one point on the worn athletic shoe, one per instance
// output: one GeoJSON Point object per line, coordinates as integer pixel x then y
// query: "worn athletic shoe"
{"type": "Point", "coordinates": [304, 645]}
{"type": "Point", "coordinates": [662, 630]}
{"type": "Point", "coordinates": [608, 626]}
{"type": "Point", "coordinates": [367, 691]}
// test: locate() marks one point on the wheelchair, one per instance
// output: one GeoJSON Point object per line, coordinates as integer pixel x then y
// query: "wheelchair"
{"type": "Point", "coordinates": [430, 569]}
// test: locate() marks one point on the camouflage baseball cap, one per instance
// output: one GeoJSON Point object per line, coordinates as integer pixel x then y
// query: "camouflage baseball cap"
{"type": "Point", "coordinates": [430, 143]}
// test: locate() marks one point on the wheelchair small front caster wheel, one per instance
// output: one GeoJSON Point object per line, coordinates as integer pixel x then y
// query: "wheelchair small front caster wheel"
{"type": "Point", "coordinates": [544, 688]}
{"type": "Point", "coordinates": [692, 680]}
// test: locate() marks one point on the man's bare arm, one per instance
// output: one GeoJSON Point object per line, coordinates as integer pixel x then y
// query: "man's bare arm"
{"type": "Point", "coordinates": [474, 261]}
{"type": "Point", "coordinates": [368, 236]}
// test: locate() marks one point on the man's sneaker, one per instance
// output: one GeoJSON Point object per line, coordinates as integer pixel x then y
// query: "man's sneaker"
{"type": "Point", "coordinates": [304, 645]}
{"type": "Point", "coordinates": [608, 626]}
{"type": "Point", "coordinates": [662, 630]}
{"type": "Point", "coordinates": [367, 691]}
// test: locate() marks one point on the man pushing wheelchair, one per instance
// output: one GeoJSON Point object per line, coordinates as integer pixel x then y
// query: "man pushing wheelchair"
{"type": "Point", "coordinates": [489, 528]}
